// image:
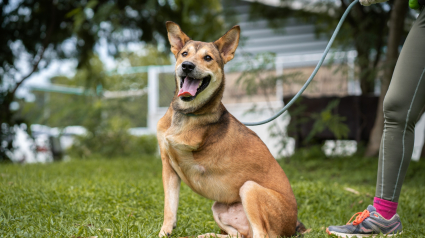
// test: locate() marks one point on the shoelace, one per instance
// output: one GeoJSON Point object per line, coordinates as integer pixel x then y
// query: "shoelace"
{"type": "Point", "coordinates": [360, 217]}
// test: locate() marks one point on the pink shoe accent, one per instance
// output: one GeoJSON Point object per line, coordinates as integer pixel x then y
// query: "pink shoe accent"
{"type": "Point", "coordinates": [384, 207]}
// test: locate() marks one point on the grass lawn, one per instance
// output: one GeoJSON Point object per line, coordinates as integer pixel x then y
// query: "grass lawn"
{"type": "Point", "coordinates": [124, 197]}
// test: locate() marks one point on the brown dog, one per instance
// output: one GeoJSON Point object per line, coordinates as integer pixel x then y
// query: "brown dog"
{"type": "Point", "coordinates": [218, 157]}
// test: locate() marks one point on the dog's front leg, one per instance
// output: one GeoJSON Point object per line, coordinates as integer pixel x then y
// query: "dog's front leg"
{"type": "Point", "coordinates": [171, 182]}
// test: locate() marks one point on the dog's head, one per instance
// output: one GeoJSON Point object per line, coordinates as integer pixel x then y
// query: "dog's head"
{"type": "Point", "coordinates": [199, 67]}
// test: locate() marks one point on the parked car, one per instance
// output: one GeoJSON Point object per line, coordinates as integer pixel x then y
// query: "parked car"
{"type": "Point", "coordinates": [26, 149]}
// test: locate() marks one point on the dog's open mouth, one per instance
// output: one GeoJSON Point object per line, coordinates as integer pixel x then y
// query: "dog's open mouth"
{"type": "Point", "coordinates": [191, 87]}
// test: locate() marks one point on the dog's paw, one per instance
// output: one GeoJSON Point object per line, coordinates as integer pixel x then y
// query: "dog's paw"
{"type": "Point", "coordinates": [164, 233]}
{"type": "Point", "coordinates": [167, 228]}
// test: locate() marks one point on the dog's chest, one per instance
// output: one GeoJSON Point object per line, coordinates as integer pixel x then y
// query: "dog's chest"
{"type": "Point", "coordinates": [197, 174]}
{"type": "Point", "coordinates": [181, 158]}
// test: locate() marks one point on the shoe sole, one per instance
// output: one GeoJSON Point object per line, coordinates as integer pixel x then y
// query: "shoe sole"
{"type": "Point", "coordinates": [358, 235]}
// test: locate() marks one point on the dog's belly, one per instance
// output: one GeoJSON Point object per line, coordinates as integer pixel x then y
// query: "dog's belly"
{"type": "Point", "coordinates": [231, 216]}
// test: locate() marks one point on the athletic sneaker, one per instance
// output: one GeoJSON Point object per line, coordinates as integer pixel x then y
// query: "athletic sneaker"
{"type": "Point", "coordinates": [368, 223]}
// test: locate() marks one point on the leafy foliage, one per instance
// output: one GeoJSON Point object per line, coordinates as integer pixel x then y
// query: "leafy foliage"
{"type": "Point", "coordinates": [65, 110]}
{"type": "Point", "coordinates": [327, 120]}
{"type": "Point", "coordinates": [365, 29]}
{"type": "Point", "coordinates": [257, 78]}
{"type": "Point", "coordinates": [111, 138]}
{"type": "Point", "coordinates": [34, 33]}
{"type": "Point", "coordinates": [106, 120]}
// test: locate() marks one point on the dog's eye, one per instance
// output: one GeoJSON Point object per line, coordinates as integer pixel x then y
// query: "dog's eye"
{"type": "Point", "coordinates": [207, 58]}
{"type": "Point", "coordinates": [184, 54]}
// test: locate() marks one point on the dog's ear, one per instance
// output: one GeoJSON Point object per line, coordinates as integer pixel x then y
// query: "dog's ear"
{"type": "Point", "coordinates": [176, 37]}
{"type": "Point", "coordinates": [228, 43]}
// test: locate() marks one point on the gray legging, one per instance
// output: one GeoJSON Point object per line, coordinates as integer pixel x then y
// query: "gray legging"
{"type": "Point", "coordinates": [403, 104]}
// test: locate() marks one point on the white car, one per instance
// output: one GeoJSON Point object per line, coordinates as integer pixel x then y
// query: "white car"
{"type": "Point", "coordinates": [27, 150]}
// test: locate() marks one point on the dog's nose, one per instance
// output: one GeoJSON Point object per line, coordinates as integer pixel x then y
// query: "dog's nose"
{"type": "Point", "coordinates": [188, 66]}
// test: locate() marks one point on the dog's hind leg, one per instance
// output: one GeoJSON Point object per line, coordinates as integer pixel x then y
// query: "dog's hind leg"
{"type": "Point", "coordinates": [269, 212]}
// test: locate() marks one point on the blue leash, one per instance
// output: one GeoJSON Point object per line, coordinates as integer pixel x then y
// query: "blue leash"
{"type": "Point", "coordinates": [311, 76]}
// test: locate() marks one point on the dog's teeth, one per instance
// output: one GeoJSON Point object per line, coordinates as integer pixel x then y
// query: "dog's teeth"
{"type": "Point", "coordinates": [200, 82]}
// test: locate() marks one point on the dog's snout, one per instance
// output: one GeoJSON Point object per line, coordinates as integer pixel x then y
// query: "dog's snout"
{"type": "Point", "coordinates": [188, 66]}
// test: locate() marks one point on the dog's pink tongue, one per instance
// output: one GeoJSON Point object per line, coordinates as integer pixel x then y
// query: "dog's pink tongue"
{"type": "Point", "coordinates": [189, 87]}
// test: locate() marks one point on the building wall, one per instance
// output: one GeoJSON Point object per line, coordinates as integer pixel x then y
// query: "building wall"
{"type": "Point", "coordinates": [329, 81]}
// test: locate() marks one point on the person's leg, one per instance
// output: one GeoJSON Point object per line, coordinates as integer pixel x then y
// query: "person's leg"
{"type": "Point", "coordinates": [403, 104]}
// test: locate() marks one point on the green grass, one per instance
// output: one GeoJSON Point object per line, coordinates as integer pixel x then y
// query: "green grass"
{"type": "Point", "coordinates": [124, 197]}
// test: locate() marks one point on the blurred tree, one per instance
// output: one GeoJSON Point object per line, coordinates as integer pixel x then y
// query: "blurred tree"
{"type": "Point", "coordinates": [365, 29]}
{"type": "Point", "coordinates": [68, 109]}
{"type": "Point", "coordinates": [33, 33]}
{"type": "Point", "coordinates": [376, 32]}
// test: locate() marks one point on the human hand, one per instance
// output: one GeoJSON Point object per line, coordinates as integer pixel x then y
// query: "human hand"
{"type": "Point", "coordinates": [370, 2]}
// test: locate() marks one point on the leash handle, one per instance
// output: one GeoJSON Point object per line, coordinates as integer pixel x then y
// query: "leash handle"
{"type": "Point", "coordinates": [331, 41]}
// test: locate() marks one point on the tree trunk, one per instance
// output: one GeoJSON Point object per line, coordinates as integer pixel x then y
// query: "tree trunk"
{"type": "Point", "coordinates": [396, 25]}
{"type": "Point", "coordinates": [367, 83]}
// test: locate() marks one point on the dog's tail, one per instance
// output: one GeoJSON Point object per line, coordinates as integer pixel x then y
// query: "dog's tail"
{"type": "Point", "coordinates": [300, 229]}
